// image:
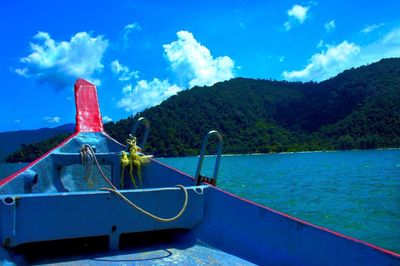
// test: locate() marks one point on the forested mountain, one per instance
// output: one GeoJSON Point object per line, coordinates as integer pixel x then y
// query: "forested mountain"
{"type": "Point", "coordinates": [11, 141]}
{"type": "Point", "coordinates": [29, 152]}
{"type": "Point", "coordinates": [358, 108]}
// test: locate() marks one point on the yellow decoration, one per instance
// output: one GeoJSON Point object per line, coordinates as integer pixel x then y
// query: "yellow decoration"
{"type": "Point", "coordinates": [135, 160]}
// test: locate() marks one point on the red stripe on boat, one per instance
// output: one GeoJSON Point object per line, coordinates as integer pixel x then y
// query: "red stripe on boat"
{"type": "Point", "coordinates": [88, 117]}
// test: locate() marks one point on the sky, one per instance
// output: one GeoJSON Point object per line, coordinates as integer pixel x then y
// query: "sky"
{"type": "Point", "coordinates": [139, 53]}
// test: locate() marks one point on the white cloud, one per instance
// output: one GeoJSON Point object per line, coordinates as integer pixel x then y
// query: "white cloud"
{"type": "Point", "coordinates": [16, 121]}
{"type": "Point", "coordinates": [372, 27]}
{"type": "Point", "coordinates": [193, 63]}
{"type": "Point", "coordinates": [132, 26]}
{"type": "Point", "coordinates": [52, 119]}
{"type": "Point", "coordinates": [106, 119]}
{"type": "Point", "coordinates": [128, 29]}
{"type": "Point", "coordinates": [330, 26]}
{"type": "Point", "coordinates": [327, 63]}
{"type": "Point", "coordinates": [146, 94]}
{"type": "Point", "coordinates": [297, 14]}
{"type": "Point", "coordinates": [385, 47]}
{"type": "Point", "coordinates": [287, 25]}
{"type": "Point", "coordinates": [60, 63]}
{"type": "Point", "coordinates": [281, 58]}
{"type": "Point", "coordinates": [127, 88]}
{"type": "Point", "coordinates": [123, 72]}
{"type": "Point", "coordinates": [346, 55]}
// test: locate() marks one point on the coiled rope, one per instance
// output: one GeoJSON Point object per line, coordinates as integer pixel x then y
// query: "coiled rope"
{"type": "Point", "coordinates": [87, 161]}
{"type": "Point", "coordinates": [160, 219]}
{"type": "Point", "coordinates": [86, 149]}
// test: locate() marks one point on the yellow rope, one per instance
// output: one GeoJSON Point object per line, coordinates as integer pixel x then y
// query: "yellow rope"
{"type": "Point", "coordinates": [134, 160]}
{"type": "Point", "coordinates": [87, 161]}
{"type": "Point", "coordinates": [160, 219]}
{"type": "Point", "coordinates": [87, 149]}
{"type": "Point", "coordinates": [124, 163]}
{"type": "Point", "coordinates": [114, 190]}
{"type": "Point", "coordinates": [131, 175]}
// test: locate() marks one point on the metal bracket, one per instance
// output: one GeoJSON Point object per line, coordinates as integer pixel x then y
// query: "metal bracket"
{"type": "Point", "coordinates": [197, 176]}
{"type": "Point", "coordinates": [145, 122]}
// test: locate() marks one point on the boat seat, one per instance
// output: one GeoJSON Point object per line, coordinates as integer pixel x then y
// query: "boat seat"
{"type": "Point", "coordinates": [95, 213]}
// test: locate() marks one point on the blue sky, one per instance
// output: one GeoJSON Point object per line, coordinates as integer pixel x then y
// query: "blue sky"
{"type": "Point", "coordinates": [139, 53]}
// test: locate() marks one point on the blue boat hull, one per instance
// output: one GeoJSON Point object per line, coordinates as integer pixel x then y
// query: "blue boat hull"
{"type": "Point", "coordinates": [50, 213]}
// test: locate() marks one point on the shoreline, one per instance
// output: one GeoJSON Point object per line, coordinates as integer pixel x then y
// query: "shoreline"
{"type": "Point", "coordinates": [280, 153]}
{"type": "Point", "coordinates": [254, 154]}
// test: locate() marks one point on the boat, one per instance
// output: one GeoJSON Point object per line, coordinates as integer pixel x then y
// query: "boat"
{"type": "Point", "coordinates": [82, 204]}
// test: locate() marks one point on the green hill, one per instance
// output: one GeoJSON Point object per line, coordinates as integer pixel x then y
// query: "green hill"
{"type": "Point", "coordinates": [358, 108]}
{"type": "Point", "coordinates": [13, 140]}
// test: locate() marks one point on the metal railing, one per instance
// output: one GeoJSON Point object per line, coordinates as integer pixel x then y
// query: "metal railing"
{"type": "Point", "coordinates": [202, 153]}
{"type": "Point", "coordinates": [145, 122]}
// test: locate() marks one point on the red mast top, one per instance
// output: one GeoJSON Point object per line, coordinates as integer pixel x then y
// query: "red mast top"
{"type": "Point", "coordinates": [88, 117]}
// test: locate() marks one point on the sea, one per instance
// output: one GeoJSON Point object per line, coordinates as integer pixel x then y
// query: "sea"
{"type": "Point", "coordinates": [356, 193]}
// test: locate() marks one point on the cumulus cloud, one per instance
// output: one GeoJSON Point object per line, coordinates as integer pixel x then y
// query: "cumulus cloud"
{"type": "Point", "coordinates": [372, 27]}
{"type": "Point", "coordinates": [193, 63]}
{"type": "Point", "coordinates": [345, 55]}
{"type": "Point", "coordinates": [330, 26]}
{"type": "Point", "coordinates": [146, 94]}
{"type": "Point", "coordinates": [123, 72]}
{"type": "Point", "coordinates": [106, 119]}
{"type": "Point", "coordinates": [297, 14]}
{"type": "Point", "coordinates": [52, 119]}
{"type": "Point", "coordinates": [323, 65]}
{"type": "Point", "coordinates": [60, 63]}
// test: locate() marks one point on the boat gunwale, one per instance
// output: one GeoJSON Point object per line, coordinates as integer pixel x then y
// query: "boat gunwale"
{"type": "Point", "coordinates": [97, 192]}
{"type": "Point", "coordinates": [14, 175]}
{"type": "Point", "coordinates": [341, 235]}
{"type": "Point", "coordinates": [64, 142]}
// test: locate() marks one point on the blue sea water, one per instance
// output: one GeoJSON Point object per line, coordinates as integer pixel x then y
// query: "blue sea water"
{"type": "Point", "coordinates": [356, 193]}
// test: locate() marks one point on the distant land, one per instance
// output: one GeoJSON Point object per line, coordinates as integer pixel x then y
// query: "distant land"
{"type": "Point", "coordinates": [357, 109]}
{"type": "Point", "coordinates": [11, 141]}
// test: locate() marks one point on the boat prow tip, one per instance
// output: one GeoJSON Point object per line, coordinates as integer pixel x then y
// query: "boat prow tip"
{"type": "Point", "coordinates": [88, 116]}
{"type": "Point", "coordinates": [81, 81]}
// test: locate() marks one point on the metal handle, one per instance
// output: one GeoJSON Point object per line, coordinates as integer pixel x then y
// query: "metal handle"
{"type": "Point", "coordinates": [145, 122]}
{"type": "Point", "coordinates": [203, 151]}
